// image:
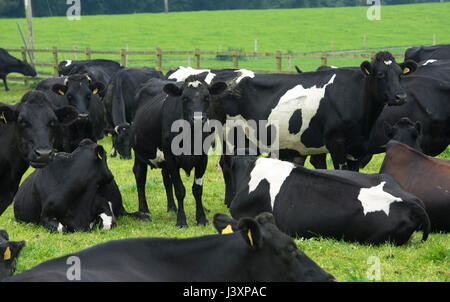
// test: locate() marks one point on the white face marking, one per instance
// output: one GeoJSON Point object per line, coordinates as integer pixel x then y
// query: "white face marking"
{"type": "Point", "coordinates": [306, 99]}
{"type": "Point", "coordinates": [68, 62]}
{"type": "Point", "coordinates": [194, 84]}
{"type": "Point", "coordinates": [107, 221]}
{"type": "Point", "coordinates": [60, 227]}
{"type": "Point", "coordinates": [184, 72]}
{"type": "Point", "coordinates": [375, 199]}
{"type": "Point", "coordinates": [274, 171]}
{"type": "Point", "coordinates": [388, 62]}
{"type": "Point", "coordinates": [158, 159]}
{"type": "Point", "coordinates": [429, 62]}
{"type": "Point", "coordinates": [244, 73]}
{"type": "Point", "coordinates": [199, 181]}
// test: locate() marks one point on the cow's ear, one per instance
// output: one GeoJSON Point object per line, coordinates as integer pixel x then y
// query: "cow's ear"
{"type": "Point", "coordinates": [366, 68]}
{"type": "Point", "coordinates": [100, 152]}
{"type": "Point", "coordinates": [387, 129]}
{"type": "Point", "coordinates": [110, 132]}
{"type": "Point", "coordinates": [418, 127]}
{"type": "Point", "coordinates": [59, 89]}
{"type": "Point", "coordinates": [172, 90]}
{"type": "Point", "coordinates": [224, 224]}
{"type": "Point", "coordinates": [13, 249]}
{"type": "Point", "coordinates": [408, 67]}
{"type": "Point", "coordinates": [67, 115]}
{"type": "Point", "coordinates": [251, 232]}
{"type": "Point", "coordinates": [7, 114]}
{"type": "Point", "coordinates": [97, 88]}
{"type": "Point", "coordinates": [217, 88]}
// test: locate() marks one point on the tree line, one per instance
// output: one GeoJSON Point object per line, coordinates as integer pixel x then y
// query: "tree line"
{"type": "Point", "coordinates": [45, 8]}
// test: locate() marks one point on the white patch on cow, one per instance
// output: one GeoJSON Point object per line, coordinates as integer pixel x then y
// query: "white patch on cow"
{"type": "Point", "coordinates": [238, 121]}
{"type": "Point", "coordinates": [158, 159]}
{"type": "Point", "coordinates": [350, 157]}
{"type": "Point", "coordinates": [194, 84]}
{"type": "Point", "coordinates": [429, 62]}
{"type": "Point", "coordinates": [306, 99]}
{"type": "Point", "coordinates": [113, 151]}
{"type": "Point", "coordinates": [199, 181]}
{"type": "Point", "coordinates": [60, 227]}
{"type": "Point", "coordinates": [333, 67]}
{"type": "Point", "coordinates": [184, 72]}
{"type": "Point", "coordinates": [244, 73]}
{"type": "Point", "coordinates": [274, 171]}
{"type": "Point", "coordinates": [388, 63]}
{"type": "Point", "coordinates": [68, 63]}
{"type": "Point", "coordinates": [107, 221]}
{"type": "Point", "coordinates": [375, 199]}
{"type": "Point", "coordinates": [91, 225]}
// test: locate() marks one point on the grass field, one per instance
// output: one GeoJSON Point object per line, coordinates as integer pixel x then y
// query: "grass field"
{"type": "Point", "coordinates": [294, 30]}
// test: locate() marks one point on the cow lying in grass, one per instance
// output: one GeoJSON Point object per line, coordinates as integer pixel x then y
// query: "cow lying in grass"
{"type": "Point", "coordinates": [9, 251]}
{"type": "Point", "coordinates": [426, 177]}
{"type": "Point", "coordinates": [339, 204]}
{"type": "Point", "coordinates": [256, 251]}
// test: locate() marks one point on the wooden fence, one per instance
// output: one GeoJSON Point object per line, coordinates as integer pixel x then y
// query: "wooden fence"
{"type": "Point", "coordinates": [197, 54]}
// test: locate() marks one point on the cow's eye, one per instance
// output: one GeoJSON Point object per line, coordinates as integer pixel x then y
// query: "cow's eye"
{"type": "Point", "coordinates": [291, 249]}
{"type": "Point", "coordinates": [52, 124]}
{"type": "Point", "coordinates": [23, 123]}
{"type": "Point", "coordinates": [185, 99]}
{"type": "Point", "coordinates": [69, 97]}
{"type": "Point", "coordinates": [380, 75]}
{"type": "Point", "coordinates": [88, 97]}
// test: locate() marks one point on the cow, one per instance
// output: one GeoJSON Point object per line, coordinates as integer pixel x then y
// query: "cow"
{"type": "Point", "coordinates": [9, 64]}
{"type": "Point", "coordinates": [347, 205]}
{"type": "Point", "coordinates": [153, 134]}
{"type": "Point", "coordinates": [81, 92]}
{"type": "Point", "coordinates": [255, 252]}
{"type": "Point", "coordinates": [119, 105]}
{"type": "Point", "coordinates": [330, 111]}
{"type": "Point", "coordinates": [424, 53]}
{"type": "Point", "coordinates": [99, 70]}
{"type": "Point", "coordinates": [9, 252]}
{"type": "Point", "coordinates": [426, 177]}
{"type": "Point", "coordinates": [28, 131]}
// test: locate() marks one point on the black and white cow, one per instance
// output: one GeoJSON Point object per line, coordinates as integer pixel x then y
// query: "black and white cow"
{"type": "Point", "coordinates": [9, 64]}
{"type": "Point", "coordinates": [153, 138]}
{"type": "Point", "coordinates": [9, 252]}
{"type": "Point", "coordinates": [99, 70]}
{"type": "Point", "coordinates": [72, 193]}
{"type": "Point", "coordinates": [256, 252]}
{"type": "Point", "coordinates": [339, 204]}
{"type": "Point", "coordinates": [28, 131]}
{"type": "Point", "coordinates": [82, 93]}
{"type": "Point", "coordinates": [424, 53]}
{"type": "Point", "coordinates": [119, 105]}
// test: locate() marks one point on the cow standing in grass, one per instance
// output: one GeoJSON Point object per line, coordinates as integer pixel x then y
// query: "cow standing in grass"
{"type": "Point", "coordinates": [9, 64]}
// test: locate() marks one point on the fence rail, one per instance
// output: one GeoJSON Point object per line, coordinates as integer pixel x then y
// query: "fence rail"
{"type": "Point", "coordinates": [158, 55]}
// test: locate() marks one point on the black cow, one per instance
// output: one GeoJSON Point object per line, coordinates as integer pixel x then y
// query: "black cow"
{"type": "Point", "coordinates": [322, 112]}
{"type": "Point", "coordinates": [65, 196]}
{"type": "Point", "coordinates": [424, 53]}
{"type": "Point", "coordinates": [9, 252]}
{"type": "Point", "coordinates": [119, 105]}
{"type": "Point", "coordinates": [99, 70]}
{"type": "Point", "coordinates": [256, 252]}
{"type": "Point", "coordinates": [28, 131]}
{"type": "Point", "coordinates": [152, 138]}
{"type": "Point", "coordinates": [9, 64]}
{"type": "Point", "coordinates": [82, 93]}
{"type": "Point", "coordinates": [339, 204]}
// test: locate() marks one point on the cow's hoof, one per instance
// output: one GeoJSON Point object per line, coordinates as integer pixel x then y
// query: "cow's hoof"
{"type": "Point", "coordinates": [203, 222]}
{"type": "Point", "coordinates": [142, 216]}
{"type": "Point", "coordinates": [181, 225]}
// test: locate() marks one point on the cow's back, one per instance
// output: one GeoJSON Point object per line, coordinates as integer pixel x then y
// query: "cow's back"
{"type": "Point", "coordinates": [27, 206]}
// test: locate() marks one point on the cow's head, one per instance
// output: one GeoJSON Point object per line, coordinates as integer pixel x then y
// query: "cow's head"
{"type": "Point", "coordinates": [406, 132]}
{"type": "Point", "coordinates": [79, 90]}
{"type": "Point", "coordinates": [93, 157]}
{"type": "Point", "coordinates": [195, 95]}
{"type": "Point", "coordinates": [36, 123]}
{"type": "Point", "coordinates": [121, 140]}
{"type": "Point", "coordinates": [9, 252]}
{"type": "Point", "coordinates": [273, 256]}
{"type": "Point", "coordinates": [15, 65]}
{"type": "Point", "coordinates": [384, 75]}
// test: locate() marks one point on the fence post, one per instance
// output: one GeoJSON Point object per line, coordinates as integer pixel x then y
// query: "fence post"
{"type": "Point", "coordinates": [236, 59]}
{"type": "Point", "coordinates": [278, 59]}
{"type": "Point", "coordinates": [197, 58]}
{"type": "Point", "coordinates": [24, 58]}
{"type": "Point", "coordinates": [88, 54]}
{"type": "Point", "coordinates": [158, 59]}
{"type": "Point", "coordinates": [74, 48]}
{"type": "Point", "coordinates": [324, 61]}
{"type": "Point", "coordinates": [123, 57]}
{"type": "Point", "coordinates": [55, 61]}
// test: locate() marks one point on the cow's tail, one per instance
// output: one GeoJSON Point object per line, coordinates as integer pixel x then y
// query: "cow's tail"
{"type": "Point", "coordinates": [424, 221]}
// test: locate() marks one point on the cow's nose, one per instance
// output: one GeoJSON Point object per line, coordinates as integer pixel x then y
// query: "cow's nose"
{"type": "Point", "coordinates": [401, 97]}
{"type": "Point", "coordinates": [44, 154]}
{"type": "Point", "coordinates": [83, 116]}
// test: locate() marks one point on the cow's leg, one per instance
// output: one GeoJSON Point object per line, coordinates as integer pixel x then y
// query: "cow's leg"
{"type": "Point", "coordinates": [53, 225]}
{"type": "Point", "coordinates": [353, 165]}
{"type": "Point", "coordinates": [169, 190]}
{"type": "Point", "coordinates": [140, 173]}
{"type": "Point", "coordinates": [107, 218]}
{"type": "Point", "coordinates": [4, 82]}
{"type": "Point", "coordinates": [299, 160]}
{"type": "Point", "coordinates": [338, 153]}
{"type": "Point", "coordinates": [180, 193]}
{"type": "Point", "coordinates": [197, 191]}
{"type": "Point", "coordinates": [319, 161]}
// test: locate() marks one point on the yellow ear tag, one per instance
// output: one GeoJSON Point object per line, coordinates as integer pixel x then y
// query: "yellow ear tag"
{"type": "Point", "coordinates": [227, 230]}
{"type": "Point", "coordinates": [95, 91]}
{"type": "Point", "coordinates": [406, 70]}
{"type": "Point", "coordinates": [249, 234]}
{"type": "Point", "coordinates": [61, 92]}
{"type": "Point", "coordinates": [368, 73]}
{"type": "Point", "coordinates": [109, 134]}
{"type": "Point", "coordinates": [99, 156]}
{"type": "Point", "coordinates": [7, 254]}
{"type": "Point", "coordinates": [3, 118]}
